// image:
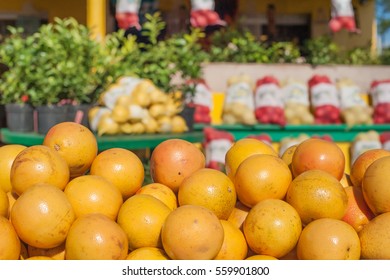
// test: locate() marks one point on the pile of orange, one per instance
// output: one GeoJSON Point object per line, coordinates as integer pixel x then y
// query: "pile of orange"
{"type": "Point", "coordinates": [66, 200]}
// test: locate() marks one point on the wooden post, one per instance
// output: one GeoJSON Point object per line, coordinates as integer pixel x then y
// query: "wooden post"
{"type": "Point", "coordinates": [96, 18]}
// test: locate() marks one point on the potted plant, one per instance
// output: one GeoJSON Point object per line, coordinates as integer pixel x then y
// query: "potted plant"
{"type": "Point", "coordinates": [54, 69]}
{"type": "Point", "coordinates": [16, 54]}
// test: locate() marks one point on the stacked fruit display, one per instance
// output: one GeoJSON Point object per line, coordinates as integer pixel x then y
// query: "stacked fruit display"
{"type": "Point", "coordinates": [136, 106]}
{"type": "Point", "coordinates": [65, 200]}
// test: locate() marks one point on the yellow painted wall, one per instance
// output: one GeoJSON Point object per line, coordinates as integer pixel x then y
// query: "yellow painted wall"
{"type": "Point", "coordinates": [67, 8]}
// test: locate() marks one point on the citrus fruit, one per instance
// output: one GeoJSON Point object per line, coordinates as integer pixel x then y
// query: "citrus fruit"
{"type": "Point", "coordinates": [161, 192]}
{"type": "Point", "coordinates": [209, 188]}
{"type": "Point", "coordinates": [75, 143]}
{"type": "Point", "coordinates": [9, 241]}
{"type": "Point", "coordinates": [173, 160]}
{"type": "Point", "coordinates": [272, 228]}
{"type": "Point", "coordinates": [8, 154]}
{"type": "Point", "coordinates": [11, 199]}
{"type": "Point", "coordinates": [238, 215]}
{"type": "Point", "coordinates": [288, 154]}
{"type": "Point", "coordinates": [360, 165]}
{"type": "Point", "coordinates": [42, 216]}
{"type": "Point", "coordinates": [39, 258]}
{"type": "Point", "coordinates": [328, 239]}
{"type": "Point", "coordinates": [38, 164]}
{"type": "Point", "coordinates": [4, 204]}
{"type": "Point", "coordinates": [93, 194]}
{"type": "Point", "coordinates": [375, 238]}
{"type": "Point", "coordinates": [121, 167]}
{"type": "Point", "coordinates": [234, 245]}
{"type": "Point", "coordinates": [317, 194]}
{"type": "Point", "coordinates": [358, 213]}
{"type": "Point", "coordinates": [56, 253]}
{"type": "Point", "coordinates": [260, 177]}
{"type": "Point", "coordinates": [96, 237]}
{"type": "Point", "coordinates": [141, 217]}
{"type": "Point", "coordinates": [376, 186]}
{"type": "Point", "coordinates": [242, 149]}
{"type": "Point", "coordinates": [261, 257]}
{"type": "Point", "coordinates": [315, 153]}
{"type": "Point", "coordinates": [192, 232]}
{"type": "Point", "coordinates": [147, 253]}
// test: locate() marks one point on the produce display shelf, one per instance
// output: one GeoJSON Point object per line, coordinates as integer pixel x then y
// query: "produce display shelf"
{"type": "Point", "coordinates": [339, 132]}
{"type": "Point", "coordinates": [130, 142]}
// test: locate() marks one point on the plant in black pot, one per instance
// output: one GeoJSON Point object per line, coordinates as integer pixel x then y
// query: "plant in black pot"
{"type": "Point", "coordinates": [65, 66]}
{"type": "Point", "coordinates": [16, 54]}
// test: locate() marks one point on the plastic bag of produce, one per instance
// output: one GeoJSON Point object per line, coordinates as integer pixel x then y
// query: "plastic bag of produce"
{"type": "Point", "coordinates": [203, 14]}
{"type": "Point", "coordinates": [354, 110]}
{"type": "Point", "coordinates": [296, 102]}
{"type": "Point", "coordinates": [126, 13]}
{"type": "Point", "coordinates": [324, 100]}
{"type": "Point", "coordinates": [269, 106]}
{"type": "Point", "coordinates": [266, 138]}
{"type": "Point", "coordinates": [238, 107]}
{"type": "Point", "coordinates": [385, 140]}
{"type": "Point", "coordinates": [202, 100]}
{"type": "Point", "coordinates": [364, 141]}
{"type": "Point", "coordinates": [343, 16]}
{"type": "Point", "coordinates": [380, 96]}
{"type": "Point", "coordinates": [216, 145]}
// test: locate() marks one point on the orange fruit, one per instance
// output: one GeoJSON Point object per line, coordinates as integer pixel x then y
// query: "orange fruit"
{"type": "Point", "coordinates": [375, 238]}
{"type": "Point", "coordinates": [261, 177]}
{"type": "Point", "coordinates": [96, 237]}
{"type": "Point", "coordinates": [4, 204]}
{"type": "Point", "coordinates": [315, 153]}
{"type": "Point", "coordinates": [192, 232]}
{"type": "Point", "coordinates": [38, 164]}
{"type": "Point", "coordinates": [121, 167]}
{"type": "Point", "coordinates": [8, 154]}
{"type": "Point", "coordinates": [141, 217]}
{"type": "Point", "coordinates": [56, 253]}
{"type": "Point", "coordinates": [376, 186]}
{"type": "Point", "coordinates": [261, 257]}
{"type": "Point", "coordinates": [272, 228]}
{"type": "Point", "coordinates": [242, 149]}
{"type": "Point", "coordinates": [360, 165]}
{"type": "Point", "coordinates": [147, 253]}
{"type": "Point", "coordinates": [161, 192]}
{"type": "Point", "coordinates": [11, 198]}
{"type": "Point", "coordinates": [42, 216]}
{"type": "Point", "coordinates": [93, 194]}
{"type": "Point", "coordinates": [328, 239]}
{"type": "Point", "coordinates": [209, 188]}
{"type": "Point", "coordinates": [288, 154]}
{"type": "Point", "coordinates": [234, 245]}
{"type": "Point", "coordinates": [39, 258]}
{"type": "Point", "coordinates": [9, 241]}
{"type": "Point", "coordinates": [358, 213]}
{"type": "Point", "coordinates": [173, 160]}
{"type": "Point", "coordinates": [317, 194]}
{"type": "Point", "coordinates": [238, 215]}
{"type": "Point", "coordinates": [75, 143]}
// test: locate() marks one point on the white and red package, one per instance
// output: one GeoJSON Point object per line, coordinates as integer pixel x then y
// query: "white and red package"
{"type": "Point", "coordinates": [238, 106]}
{"type": "Point", "coordinates": [202, 100]}
{"type": "Point", "coordinates": [380, 96]}
{"type": "Point", "coordinates": [296, 102]}
{"type": "Point", "coordinates": [324, 100]}
{"type": "Point", "coordinates": [354, 110]}
{"type": "Point", "coordinates": [385, 140]}
{"type": "Point", "coordinates": [363, 142]}
{"type": "Point", "coordinates": [126, 13]}
{"type": "Point", "coordinates": [203, 14]}
{"type": "Point", "coordinates": [269, 105]}
{"type": "Point", "coordinates": [343, 16]}
{"type": "Point", "coordinates": [216, 145]}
